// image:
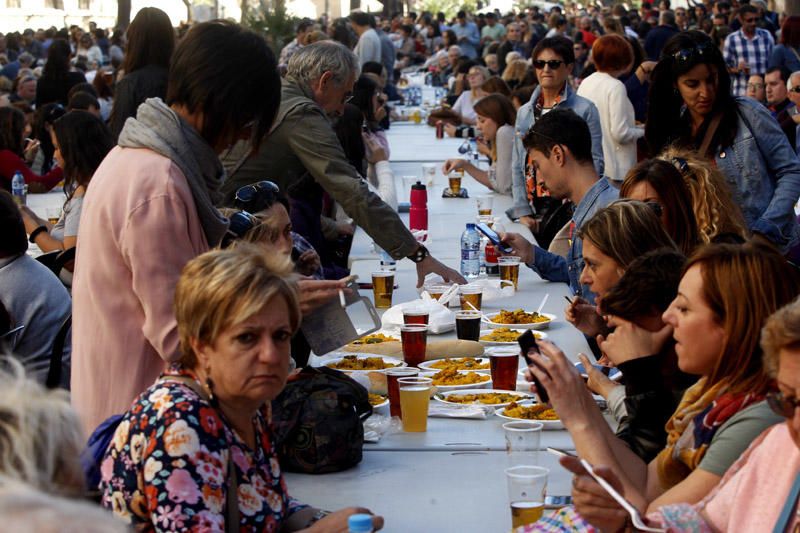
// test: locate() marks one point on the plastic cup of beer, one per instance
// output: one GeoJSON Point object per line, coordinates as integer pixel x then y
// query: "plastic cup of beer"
{"type": "Point", "coordinates": [470, 294]}
{"type": "Point", "coordinates": [415, 340]}
{"type": "Point", "coordinates": [509, 268]}
{"type": "Point", "coordinates": [527, 486]}
{"type": "Point", "coordinates": [504, 364]}
{"type": "Point", "coordinates": [468, 325]}
{"type": "Point", "coordinates": [382, 288]}
{"type": "Point", "coordinates": [53, 214]}
{"type": "Point", "coordinates": [415, 315]}
{"type": "Point", "coordinates": [522, 442]}
{"type": "Point", "coordinates": [484, 203]}
{"type": "Point", "coordinates": [415, 394]}
{"type": "Point", "coordinates": [454, 179]}
{"type": "Point", "coordinates": [436, 290]}
{"type": "Point", "coordinates": [486, 219]}
{"type": "Point", "coordinates": [392, 375]}
{"type": "Point", "coordinates": [428, 173]}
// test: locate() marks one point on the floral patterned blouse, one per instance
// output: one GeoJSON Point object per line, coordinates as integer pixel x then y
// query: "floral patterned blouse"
{"type": "Point", "coordinates": [167, 466]}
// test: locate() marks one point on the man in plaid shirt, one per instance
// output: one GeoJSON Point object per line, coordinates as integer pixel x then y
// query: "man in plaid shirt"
{"type": "Point", "coordinates": [747, 51]}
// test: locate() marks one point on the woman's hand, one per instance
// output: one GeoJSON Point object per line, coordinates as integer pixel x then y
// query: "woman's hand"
{"type": "Point", "coordinates": [629, 341]}
{"type": "Point", "coordinates": [450, 130]}
{"type": "Point", "coordinates": [336, 522]}
{"type": "Point", "coordinates": [597, 381]}
{"type": "Point", "coordinates": [452, 164]}
{"type": "Point", "coordinates": [583, 315]}
{"type": "Point", "coordinates": [308, 262]}
{"type": "Point", "coordinates": [315, 293]}
{"type": "Point", "coordinates": [592, 502]}
{"type": "Point", "coordinates": [568, 393]}
{"type": "Point", "coordinates": [31, 149]}
{"type": "Point", "coordinates": [374, 151]}
{"type": "Point", "coordinates": [483, 147]}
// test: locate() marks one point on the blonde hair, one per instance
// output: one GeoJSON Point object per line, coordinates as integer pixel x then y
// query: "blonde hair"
{"type": "Point", "coordinates": [40, 434]}
{"type": "Point", "coordinates": [516, 70]}
{"type": "Point", "coordinates": [223, 288]}
{"type": "Point", "coordinates": [781, 332]}
{"type": "Point", "coordinates": [714, 209]}
{"type": "Point", "coordinates": [484, 72]}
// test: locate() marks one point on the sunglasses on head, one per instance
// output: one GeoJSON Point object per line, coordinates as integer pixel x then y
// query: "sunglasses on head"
{"type": "Point", "coordinates": [681, 164]}
{"type": "Point", "coordinates": [552, 63]}
{"type": "Point", "coordinates": [687, 54]}
{"type": "Point", "coordinates": [263, 189]}
{"type": "Point", "coordinates": [782, 405]}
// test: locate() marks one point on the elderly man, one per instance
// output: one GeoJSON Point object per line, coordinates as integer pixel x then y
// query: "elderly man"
{"type": "Point", "coordinates": [304, 157]}
{"type": "Point", "coordinates": [25, 90]}
{"type": "Point", "coordinates": [513, 43]}
{"type": "Point", "coordinates": [793, 87]}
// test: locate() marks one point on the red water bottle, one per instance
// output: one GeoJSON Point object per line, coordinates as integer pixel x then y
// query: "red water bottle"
{"type": "Point", "coordinates": [418, 213]}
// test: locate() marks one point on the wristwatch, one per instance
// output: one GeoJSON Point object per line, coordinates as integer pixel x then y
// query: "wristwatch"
{"type": "Point", "coordinates": [419, 254]}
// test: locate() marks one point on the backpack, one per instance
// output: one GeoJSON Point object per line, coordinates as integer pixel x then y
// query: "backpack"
{"type": "Point", "coordinates": [317, 421]}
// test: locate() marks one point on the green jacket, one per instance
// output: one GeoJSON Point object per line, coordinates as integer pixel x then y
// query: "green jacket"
{"type": "Point", "coordinates": [303, 149]}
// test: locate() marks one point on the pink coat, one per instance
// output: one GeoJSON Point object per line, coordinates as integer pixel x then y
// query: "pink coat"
{"type": "Point", "coordinates": [139, 227]}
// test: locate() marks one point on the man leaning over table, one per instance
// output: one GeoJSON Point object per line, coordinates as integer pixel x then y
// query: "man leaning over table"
{"type": "Point", "coordinates": [552, 93]}
{"type": "Point", "coordinates": [304, 157]}
{"type": "Point", "coordinates": [560, 147]}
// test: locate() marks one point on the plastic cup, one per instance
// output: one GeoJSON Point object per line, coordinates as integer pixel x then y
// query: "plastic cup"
{"type": "Point", "coordinates": [415, 396]}
{"type": "Point", "coordinates": [470, 294]}
{"type": "Point", "coordinates": [484, 203]}
{"type": "Point", "coordinates": [383, 288]}
{"type": "Point", "coordinates": [392, 375]}
{"type": "Point", "coordinates": [527, 486]}
{"type": "Point", "coordinates": [522, 442]}
{"type": "Point", "coordinates": [454, 180]}
{"type": "Point", "coordinates": [504, 365]}
{"type": "Point", "coordinates": [436, 290]}
{"type": "Point", "coordinates": [509, 268]}
{"type": "Point", "coordinates": [415, 315]}
{"type": "Point", "coordinates": [429, 173]}
{"type": "Point", "coordinates": [53, 214]}
{"type": "Point", "coordinates": [408, 182]}
{"type": "Point", "coordinates": [415, 340]}
{"type": "Point", "coordinates": [468, 325]}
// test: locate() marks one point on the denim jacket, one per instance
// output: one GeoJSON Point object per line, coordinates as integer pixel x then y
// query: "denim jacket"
{"type": "Point", "coordinates": [554, 267]}
{"type": "Point", "coordinates": [569, 100]}
{"type": "Point", "coordinates": [764, 174]}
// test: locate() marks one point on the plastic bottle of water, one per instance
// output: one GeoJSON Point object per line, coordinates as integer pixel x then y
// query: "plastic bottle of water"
{"type": "Point", "coordinates": [470, 252]}
{"type": "Point", "coordinates": [18, 188]}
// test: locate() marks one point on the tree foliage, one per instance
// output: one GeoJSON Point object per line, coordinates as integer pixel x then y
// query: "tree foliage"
{"type": "Point", "coordinates": [272, 21]}
{"type": "Point", "coordinates": [448, 7]}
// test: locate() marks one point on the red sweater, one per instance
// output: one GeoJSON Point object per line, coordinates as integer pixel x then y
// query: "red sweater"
{"type": "Point", "coordinates": [11, 163]}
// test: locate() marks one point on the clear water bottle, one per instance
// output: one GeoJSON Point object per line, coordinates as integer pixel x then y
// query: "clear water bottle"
{"type": "Point", "coordinates": [359, 523]}
{"type": "Point", "coordinates": [18, 188]}
{"type": "Point", "coordinates": [470, 252]}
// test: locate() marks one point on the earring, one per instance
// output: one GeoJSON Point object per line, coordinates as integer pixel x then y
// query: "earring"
{"type": "Point", "coordinates": [209, 385]}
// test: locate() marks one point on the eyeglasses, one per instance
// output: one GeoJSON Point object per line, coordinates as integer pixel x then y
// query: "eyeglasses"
{"type": "Point", "coordinates": [552, 63]}
{"type": "Point", "coordinates": [265, 190]}
{"type": "Point", "coordinates": [687, 54]}
{"type": "Point", "coordinates": [755, 85]}
{"type": "Point", "coordinates": [681, 164]}
{"type": "Point", "coordinates": [781, 405]}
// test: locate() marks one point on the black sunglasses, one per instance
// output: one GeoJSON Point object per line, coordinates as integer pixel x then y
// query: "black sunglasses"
{"type": "Point", "coordinates": [265, 190]}
{"type": "Point", "coordinates": [688, 54]}
{"type": "Point", "coordinates": [781, 405]}
{"type": "Point", "coordinates": [552, 63]}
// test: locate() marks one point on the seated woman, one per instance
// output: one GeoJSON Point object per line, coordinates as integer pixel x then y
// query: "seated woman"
{"type": "Point", "coordinates": [756, 492]}
{"type": "Point", "coordinates": [660, 183]}
{"type": "Point", "coordinates": [464, 106]}
{"type": "Point", "coordinates": [496, 119]}
{"type": "Point", "coordinates": [81, 143]}
{"type": "Point", "coordinates": [725, 296]}
{"type": "Point", "coordinates": [14, 153]}
{"type": "Point", "coordinates": [195, 450]}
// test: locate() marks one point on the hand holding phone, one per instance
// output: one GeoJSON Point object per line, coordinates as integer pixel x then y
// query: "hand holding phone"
{"type": "Point", "coordinates": [527, 343]}
{"type": "Point", "coordinates": [494, 238]}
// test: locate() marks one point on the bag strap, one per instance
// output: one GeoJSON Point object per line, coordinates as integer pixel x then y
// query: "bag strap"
{"type": "Point", "coordinates": [56, 355]}
{"type": "Point", "coordinates": [712, 129]}
{"type": "Point", "coordinates": [786, 514]}
{"type": "Point", "coordinates": [232, 497]}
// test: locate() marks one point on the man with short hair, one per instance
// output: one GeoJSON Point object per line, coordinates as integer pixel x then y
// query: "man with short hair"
{"type": "Point", "coordinates": [493, 31]}
{"type": "Point", "coordinates": [658, 36]}
{"type": "Point", "coordinates": [368, 47]}
{"type": "Point", "coordinates": [467, 35]}
{"type": "Point", "coordinates": [778, 100]}
{"type": "Point", "coordinates": [512, 43]}
{"type": "Point", "coordinates": [31, 45]}
{"type": "Point", "coordinates": [26, 91]}
{"type": "Point", "coordinates": [11, 71]}
{"type": "Point", "coordinates": [747, 50]}
{"type": "Point", "coordinates": [305, 158]}
{"type": "Point", "coordinates": [560, 146]}
{"type": "Point", "coordinates": [303, 28]}
{"type": "Point", "coordinates": [553, 59]}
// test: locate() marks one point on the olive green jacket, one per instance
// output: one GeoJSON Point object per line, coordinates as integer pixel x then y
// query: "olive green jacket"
{"type": "Point", "coordinates": [301, 149]}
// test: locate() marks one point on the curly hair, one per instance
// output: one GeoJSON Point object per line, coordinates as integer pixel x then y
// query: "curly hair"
{"type": "Point", "coordinates": [712, 202]}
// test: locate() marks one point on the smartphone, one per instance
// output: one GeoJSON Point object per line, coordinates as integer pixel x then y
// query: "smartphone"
{"type": "Point", "coordinates": [555, 502]}
{"type": "Point", "coordinates": [561, 453]}
{"type": "Point", "coordinates": [527, 342]}
{"type": "Point", "coordinates": [494, 238]}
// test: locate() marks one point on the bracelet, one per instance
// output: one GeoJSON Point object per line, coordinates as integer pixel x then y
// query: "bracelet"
{"type": "Point", "coordinates": [317, 516]}
{"type": "Point", "coordinates": [35, 233]}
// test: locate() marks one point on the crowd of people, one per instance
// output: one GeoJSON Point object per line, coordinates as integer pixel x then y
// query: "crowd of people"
{"type": "Point", "coordinates": [212, 188]}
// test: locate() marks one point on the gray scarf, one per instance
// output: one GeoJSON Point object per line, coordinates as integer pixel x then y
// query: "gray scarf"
{"type": "Point", "coordinates": [158, 128]}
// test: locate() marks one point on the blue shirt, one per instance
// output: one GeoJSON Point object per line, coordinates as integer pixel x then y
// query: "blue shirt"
{"type": "Point", "coordinates": [473, 38]}
{"type": "Point", "coordinates": [554, 267]}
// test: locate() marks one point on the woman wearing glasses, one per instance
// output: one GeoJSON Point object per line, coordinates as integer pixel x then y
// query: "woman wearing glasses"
{"type": "Point", "coordinates": [476, 76]}
{"type": "Point", "coordinates": [691, 106]}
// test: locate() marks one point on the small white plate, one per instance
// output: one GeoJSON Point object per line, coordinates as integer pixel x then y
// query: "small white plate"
{"type": "Point", "coordinates": [448, 388]}
{"type": "Point", "coordinates": [533, 325]}
{"type": "Point", "coordinates": [427, 365]}
{"type": "Point", "coordinates": [548, 424]}
{"type": "Point", "coordinates": [540, 335]}
{"type": "Point", "coordinates": [386, 359]}
{"type": "Point", "coordinates": [443, 397]}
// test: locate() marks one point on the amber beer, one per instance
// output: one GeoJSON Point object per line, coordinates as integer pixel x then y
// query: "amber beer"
{"type": "Point", "coordinates": [414, 338]}
{"type": "Point", "coordinates": [382, 288]}
{"type": "Point", "coordinates": [509, 269]}
{"type": "Point", "coordinates": [455, 183]}
{"type": "Point", "coordinates": [484, 205]}
{"type": "Point", "coordinates": [470, 294]}
{"type": "Point", "coordinates": [524, 513]}
{"type": "Point", "coordinates": [504, 365]}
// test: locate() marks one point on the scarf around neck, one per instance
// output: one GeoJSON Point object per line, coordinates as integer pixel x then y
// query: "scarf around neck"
{"type": "Point", "coordinates": [158, 128]}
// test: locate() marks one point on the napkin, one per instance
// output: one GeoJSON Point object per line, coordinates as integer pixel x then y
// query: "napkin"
{"type": "Point", "coordinates": [440, 318]}
{"type": "Point", "coordinates": [443, 410]}
{"type": "Point", "coordinates": [493, 289]}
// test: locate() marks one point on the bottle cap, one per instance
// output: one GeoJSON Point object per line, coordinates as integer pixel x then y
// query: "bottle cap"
{"type": "Point", "coordinates": [359, 523]}
{"type": "Point", "coordinates": [418, 186]}
{"type": "Point", "coordinates": [470, 225]}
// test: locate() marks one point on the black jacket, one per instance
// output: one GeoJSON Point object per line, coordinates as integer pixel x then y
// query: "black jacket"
{"type": "Point", "coordinates": [132, 90]}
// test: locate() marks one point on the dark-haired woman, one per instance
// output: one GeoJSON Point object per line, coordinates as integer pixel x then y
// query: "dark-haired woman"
{"type": "Point", "coordinates": [12, 154]}
{"type": "Point", "coordinates": [151, 40]}
{"type": "Point", "coordinates": [57, 77]}
{"type": "Point", "coordinates": [496, 119]}
{"type": "Point", "coordinates": [787, 53]}
{"type": "Point", "coordinates": [81, 143]}
{"type": "Point", "coordinates": [691, 106]}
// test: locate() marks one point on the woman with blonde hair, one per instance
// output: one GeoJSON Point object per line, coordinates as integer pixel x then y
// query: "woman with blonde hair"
{"type": "Point", "coordinates": [714, 209]}
{"type": "Point", "coordinates": [518, 73]}
{"type": "Point", "coordinates": [476, 76]}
